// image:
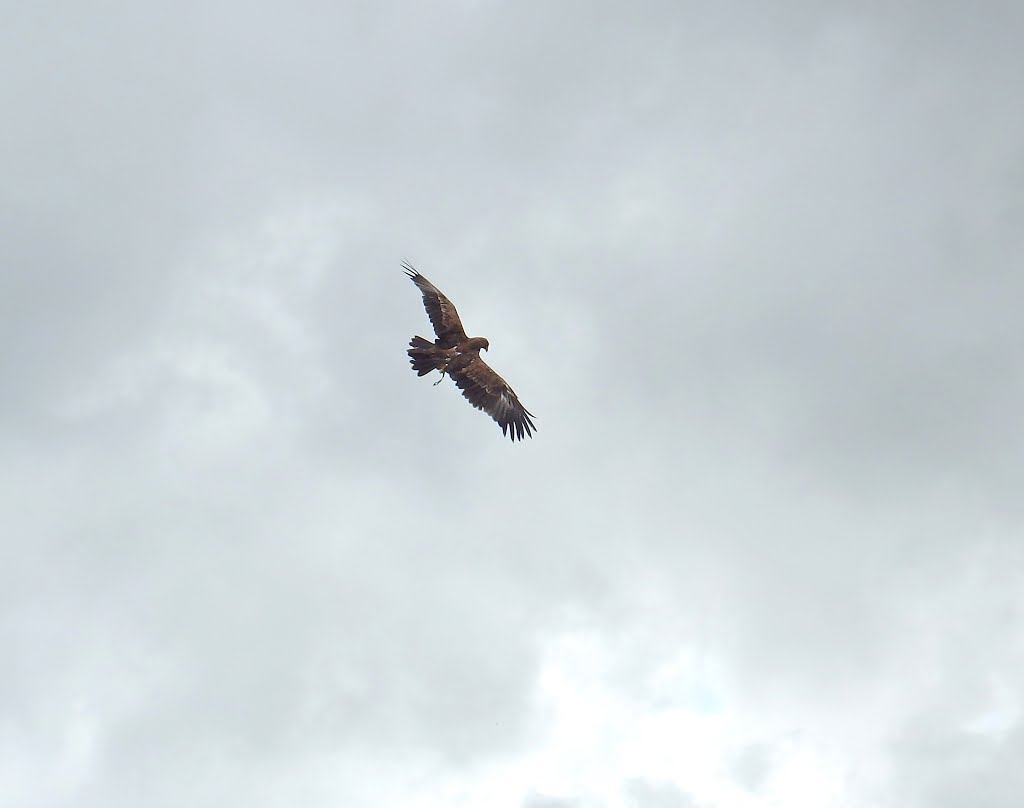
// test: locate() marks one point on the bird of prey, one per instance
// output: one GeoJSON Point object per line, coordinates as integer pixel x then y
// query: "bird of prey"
{"type": "Point", "coordinates": [457, 355]}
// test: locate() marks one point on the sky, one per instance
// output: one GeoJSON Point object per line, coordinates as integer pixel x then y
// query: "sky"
{"type": "Point", "coordinates": [756, 268]}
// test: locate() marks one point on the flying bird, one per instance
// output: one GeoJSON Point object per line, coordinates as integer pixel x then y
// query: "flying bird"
{"type": "Point", "coordinates": [457, 355]}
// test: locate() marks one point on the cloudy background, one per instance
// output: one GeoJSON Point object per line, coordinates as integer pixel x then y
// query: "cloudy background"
{"type": "Point", "coordinates": [757, 268]}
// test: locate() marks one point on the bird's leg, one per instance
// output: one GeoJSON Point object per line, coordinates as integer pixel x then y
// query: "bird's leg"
{"type": "Point", "coordinates": [439, 380]}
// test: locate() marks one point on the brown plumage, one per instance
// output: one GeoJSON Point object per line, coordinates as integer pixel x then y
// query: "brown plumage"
{"type": "Point", "coordinates": [458, 355]}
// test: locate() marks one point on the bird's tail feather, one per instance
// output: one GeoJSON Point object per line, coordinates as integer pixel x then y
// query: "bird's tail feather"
{"type": "Point", "coordinates": [424, 356]}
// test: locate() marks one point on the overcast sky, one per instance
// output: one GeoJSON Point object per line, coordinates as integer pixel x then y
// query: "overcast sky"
{"type": "Point", "coordinates": [757, 268]}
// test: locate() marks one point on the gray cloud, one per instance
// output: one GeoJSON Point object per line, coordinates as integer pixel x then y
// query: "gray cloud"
{"type": "Point", "coordinates": [645, 794]}
{"type": "Point", "coordinates": [753, 269]}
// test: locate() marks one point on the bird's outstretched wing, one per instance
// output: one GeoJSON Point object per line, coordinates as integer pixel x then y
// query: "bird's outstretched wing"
{"type": "Point", "coordinates": [487, 391]}
{"type": "Point", "coordinates": [443, 316]}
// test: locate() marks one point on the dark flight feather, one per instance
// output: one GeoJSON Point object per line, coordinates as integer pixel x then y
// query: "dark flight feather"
{"type": "Point", "coordinates": [487, 391]}
{"type": "Point", "coordinates": [443, 316]}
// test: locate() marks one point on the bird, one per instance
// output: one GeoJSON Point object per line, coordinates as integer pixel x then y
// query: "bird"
{"type": "Point", "coordinates": [457, 355]}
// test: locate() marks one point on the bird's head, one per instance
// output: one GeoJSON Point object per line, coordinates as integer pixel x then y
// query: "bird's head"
{"type": "Point", "coordinates": [476, 343]}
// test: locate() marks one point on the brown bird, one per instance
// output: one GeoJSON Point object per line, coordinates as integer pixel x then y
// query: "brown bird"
{"type": "Point", "coordinates": [458, 355]}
